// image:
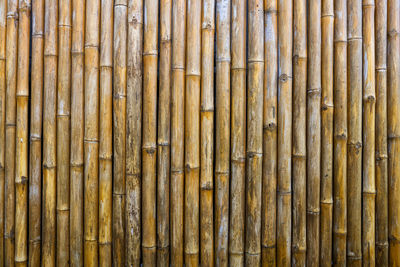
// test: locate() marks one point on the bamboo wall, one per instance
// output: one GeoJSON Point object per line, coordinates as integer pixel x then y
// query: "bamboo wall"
{"type": "Point", "coordinates": [199, 132]}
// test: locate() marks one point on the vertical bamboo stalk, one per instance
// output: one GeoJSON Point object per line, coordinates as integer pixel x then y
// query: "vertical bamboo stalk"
{"type": "Point", "coordinates": [77, 133]}
{"type": "Point", "coordinates": [207, 135]}
{"type": "Point", "coordinates": [354, 142]}
{"type": "Point", "coordinates": [393, 58]}
{"type": "Point", "coordinates": [134, 133]}
{"type": "Point", "coordinates": [177, 130]}
{"type": "Point", "coordinates": [222, 133]}
{"type": "Point", "coordinates": [119, 129]}
{"type": "Point", "coordinates": [106, 137]}
{"type": "Point", "coordinates": [49, 134]}
{"type": "Point", "coordinates": [91, 135]}
{"type": "Point", "coordinates": [21, 149]}
{"type": "Point", "coordinates": [381, 242]}
{"type": "Point", "coordinates": [149, 154]}
{"type": "Point", "coordinates": [340, 134]}
{"type": "Point", "coordinates": [63, 130]}
{"type": "Point", "coordinates": [35, 158]}
{"type": "Point", "coordinates": [326, 203]}
{"type": "Point", "coordinates": [255, 88]}
{"type": "Point", "coordinates": [238, 134]}
{"type": "Point", "coordinates": [369, 191]}
{"type": "Point", "coordinates": [284, 198]}
{"type": "Point", "coordinates": [163, 139]}
{"type": "Point", "coordinates": [192, 132]}
{"type": "Point", "coordinates": [10, 121]}
{"type": "Point", "coordinates": [299, 165]}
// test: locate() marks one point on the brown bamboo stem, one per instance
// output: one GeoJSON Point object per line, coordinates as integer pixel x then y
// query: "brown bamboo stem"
{"type": "Point", "coordinates": [238, 134]}
{"type": "Point", "coordinates": [381, 152]}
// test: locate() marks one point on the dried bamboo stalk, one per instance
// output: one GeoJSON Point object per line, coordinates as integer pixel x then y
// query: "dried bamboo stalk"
{"type": "Point", "coordinates": [119, 129]}
{"type": "Point", "coordinates": [133, 133]}
{"type": "Point", "coordinates": [10, 121]}
{"type": "Point", "coordinates": [77, 133]}
{"type": "Point", "coordinates": [35, 157]}
{"type": "Point", "coordinates": [340, 135]}
{"type": "Point", "coordinates": [163, 138]}
{"type": "Point", "coordinates": [238, 134]}
{"type": "Point", "coordinates": [354, 142]}
{"type": "Point", "coordinates": [149, 153]}
{"type": "Point", "coordinates": [284, 197]}
{"type": "Point", "coordinates": [22, 128]}
{"type": "Point", "coordinates": [368, 156]}
{"type": "Point", "coordinates": [49, 134]}
{"type": "Point", "coordinates": [326, 202]}
{"type": "Point", "coordinates": [91, 135]}
{"type": "Point", "coordinates": [177, 130]}
{"type": "Point", "coordinates": [106, 137]}
{"type": "Point", "coordinates": [393, 58]}
{"type": "Point", "coordinates": [381, 152]}
{"type": "Point", "coordinates": [255, 88]}
{"type": "Point", "coordinates": [207, 135]}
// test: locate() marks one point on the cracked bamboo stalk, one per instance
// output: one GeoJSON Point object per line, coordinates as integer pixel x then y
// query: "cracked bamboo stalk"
{"type": "Point", "coordinates": [284, 188]}
{"type": "Point", "coordinates": [119, 129]}
{"type": "Point", "coordinates": [340, 135]}
{"type": "Point", "coordinates": [106, 137]}
{"type": "Point", "coordinates": [77, 133]}
{"type": "Point", "coordinates": [63, 130]}
{"type": "Point", "coordinates": [326, 203]}
{"type": "Point", "coordinates": [255, 89]}
{"type": "Point", "coordinates": [354, 142]}
{"type": "Point", "coordinates": [10, 121]}
{"type": "Point", "coordinates": [207, 135]}
{"type": "Point", "coordinates": [381, 152]}
{"type": "Point", "coordinates": [238, 134]}
{"type": "Point", "coordinates": [49, 134]}
{"type": "Point", "coordinates": [22, 128]}
{"type": "Point", "coordinates": [177, 130]}
{"type": "Point", "coordinates": [368, 156]}
{"type": "Point", "coordinates": [133, 133]}
{"type": "Point", "coordinates": [91, 135]}
{"type": "Point", "coordinates": [299, 237]}
{"type": "Point", "coordinates": [35, 146]}
{"type": "Point", "coordinates": [393, 59]}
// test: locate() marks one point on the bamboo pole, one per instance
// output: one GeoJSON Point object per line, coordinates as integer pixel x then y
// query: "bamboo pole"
{"type": "Point", "coordinates": [238, 134]}
{"type": "Point", "coordinates": [177, 130]}
{"type": "Point", "coordinates": [63, 130]}
{"type": "Point", "coordinates": [149, 154]}
{"type": "Point", "coordinates": [369, 191]}
{"type": "Point", "coordinates": [207, 135]}
{"type": "Point", "coordinates": [340, 134]}
{"type": "Point", "coordinates": [134, 133]}
{"type": "Point", "coordinates": [77, 133]}
{"type": "Point", "coordinates": [255, 88]}
{"type": "Point", "coordinates": [49, 134]}
{"type": "Point", "coordinates": [300, 188]}
{"type": "Point", "coordinates": [326, 203]}
{"type": "Point", "coordinates": [381, 242]}
{"type": "Point", "coordinates": [106, 137]}
{"type": "Point", "coordinates": [354, 142]}
{"type": "Point", "coordinates": [393, 58]}
{"type": "Point", "coordinates": [222, 133]}
{"type": "Point", "coordinates": [91, 135]}
{"type": "Point", "coordinates": [35, 147]}
{"type": "Point", "coordinates": [284, 189]}
{"type": "Point", "coordinates": [119, 129]}
{"type": "Point", "coordinates": [10, 121]}
{"type": "Point", "coordinates": [163, 138]}
{"type": "Point", "coordinates": [192, 132]}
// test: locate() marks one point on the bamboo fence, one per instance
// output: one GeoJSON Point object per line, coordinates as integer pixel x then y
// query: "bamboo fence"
{"type": "Point", "coordinates": [199, 133]}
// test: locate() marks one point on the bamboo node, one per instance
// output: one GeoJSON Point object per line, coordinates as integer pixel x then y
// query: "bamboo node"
{"type": "Point", "coordinates": [370, 99]}
{"type": "Point", "coordinates": [326, 107]}
{"type": "Point", "coordinates": [356, 145]}
{"type": "Point", "coordinates": [252, 154]}
{"type": "Point", "coordinates": [284, 78]}
{"type": "Point", "coordinates": [150, 53]}
{"type": "Point", "coordinates": [381, 157]}
{"type": "Point", "coordinates": [189, 168]}
{"type": "Point", "coordinates": [270, 11]}
{"type": "Point", "coordinates": [22, 181]}
{"type": "Point", "coordinates": [207, 26]}
{"type": "Point", "coordinates": [38, 35]}
{"type": "Point", "coordinates": [36, 240]}
{"type": "Point", "coordinates": [384, 244]}
{"type": "Point", "coordinates": [342, 136]}
{"type": "Point", "coordinates": [12, 15]}
{"type": "Point", "coordinates": [208, 186]}
{"type": "Point", "coordinates": [314, 91]}
{"type": "Point", "coordinates": [273, 246]}
{"type": "Point", "coordinates": [313, 212]}
{"type": "Point", "coordinates": [393, 33]}
{"type": "Point", "coordinates": [393, 239]}
{"type": "Point", "coordinates": [35, 138]}
{"type": "Point", "coordinates": [221, 172]}
{"type": "Point", "coordinates": [299, 156]}
{"type": "Point", "coordinates": [149, 149]}
{"type": "Point", "coordinates": [270, 127]}
{"type": "Point", "coordinates": [298, 250]}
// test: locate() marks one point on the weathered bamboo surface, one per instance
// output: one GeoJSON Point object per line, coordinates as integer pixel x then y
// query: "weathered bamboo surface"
{"type": "Point", "coordinates": [199, 133]}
